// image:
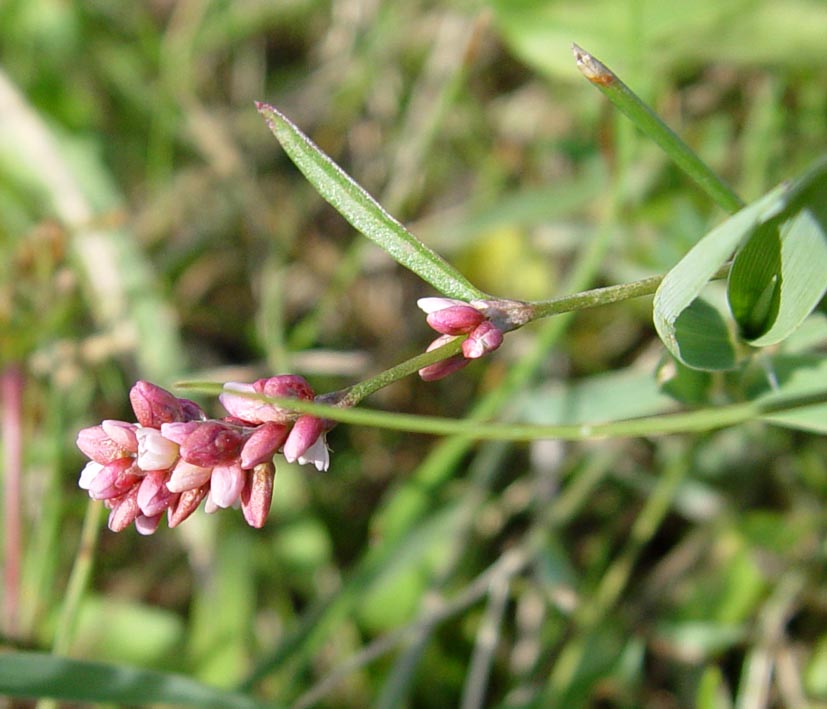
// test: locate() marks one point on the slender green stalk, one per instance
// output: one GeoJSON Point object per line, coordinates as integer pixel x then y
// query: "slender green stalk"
{"type": "Point", "coordinates": [651, 125]}
{"type": "Point", "coordinates": [78, 579]}
{"type": "Point", "coordinates": [706, 419]}
{"type": "Point", "coordinates": [604, 296]}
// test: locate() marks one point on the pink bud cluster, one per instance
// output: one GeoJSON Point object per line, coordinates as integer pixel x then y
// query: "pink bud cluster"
{"type": "Point", "coordinates": [453, 318]}
{"type": "Point", "coordinates": [174, 456]}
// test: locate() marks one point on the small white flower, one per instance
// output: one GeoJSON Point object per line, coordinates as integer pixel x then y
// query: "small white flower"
{"type": "Point", "coordinates": [88, 474]}
{"type": "Point", "coordinates": [154, 451]}
{"type": "Point", "coordinates": [317, 455]}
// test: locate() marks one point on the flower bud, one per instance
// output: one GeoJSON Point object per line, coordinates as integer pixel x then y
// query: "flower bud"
{"type": "Point", "coordinates": [154, 451]}
{"type": "Point", "coordinates": [263, 443]}
{"type": "Point", "coordinates": [485, 338]}
{"type": "Point", "coordinates": [258, 494]}
{"type": "Point", "coordinates": [186, 476]}
{"type": "Point", "coordinates": [440, 370]}
{"type": "Point", "coordinates": [445, 367]}
{"type": "Point", "coordinates": [186, 504]}
{"type": "Point", "coordinates": [305, 443]}
{"type": "Point", "coordinates": [153, 494]}
{"type": "Point", "coordinates": [241, 400]}
{"type": "Point", "coordinates": [113, 479]}
{"type": "Point", "coordinates": [147, 525]}
{"type": "Point", "coordinates": [179, 431]}
{"type": "Point", "coordinates": [455, 320]}
{"type": "Point", "coordinates": [108, 441]}
{"type": "Point", "coordinates": [153, 405]}
{"type": "Point", "coordinates": [124, 511]}
{"type": "Point", "coordinates": [211, 443]}
{"type": "Point", "coordinates": [226, 484]}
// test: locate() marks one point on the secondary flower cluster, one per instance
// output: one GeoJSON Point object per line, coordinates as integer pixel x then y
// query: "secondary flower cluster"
{"type": "Point", "coordinates": [174, 456]}
{"type": "Point", "coordinates": [452, 318]}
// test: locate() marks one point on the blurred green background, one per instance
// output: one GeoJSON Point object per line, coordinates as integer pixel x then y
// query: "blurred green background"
{"type": "Point", "coordinates": [151, 227]}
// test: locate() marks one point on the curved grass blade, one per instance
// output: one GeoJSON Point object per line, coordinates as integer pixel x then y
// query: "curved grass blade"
{"type": "Point", "coordinates": [363, 212]}
{"type": "Point", "coordinates": [34, 675]}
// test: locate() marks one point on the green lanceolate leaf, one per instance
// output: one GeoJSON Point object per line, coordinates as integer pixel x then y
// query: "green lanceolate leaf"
{"type": "Point", "coordinates": [777, 278]}
{"type": "Point", "coordinates": [780, 275]}
{"type": "Point", "coordinates": [365, 213]}
{"type": "Point", "coordinates": [33, 675]}
{"type": "Point", "coordinates": [682, 329]}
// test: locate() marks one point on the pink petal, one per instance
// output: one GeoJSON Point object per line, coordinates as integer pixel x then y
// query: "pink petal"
{"type": "Point", "coordinates": [147, 525]}
{"type": "Point", "coordinates": [226, 484]}
{"type": "Point", "coordinates": [186, 476]}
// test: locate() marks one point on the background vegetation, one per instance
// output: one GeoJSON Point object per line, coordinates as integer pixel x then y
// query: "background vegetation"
{"type": "Point", "coordinates": [151, 227]}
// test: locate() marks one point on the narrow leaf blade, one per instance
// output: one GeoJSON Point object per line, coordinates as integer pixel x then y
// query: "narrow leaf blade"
{"type": "Point", "coordinates": [363, 212]}
{"type": "Point", "coordinates": [30, 674]}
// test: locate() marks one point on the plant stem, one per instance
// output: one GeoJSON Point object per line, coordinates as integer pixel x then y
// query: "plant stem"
{"type": "Point", "coordinates": [11, 401]}
{"type": "Point", "coordinates": [604, 296]}
{"type": "Point", "coordinates": [651, 125]}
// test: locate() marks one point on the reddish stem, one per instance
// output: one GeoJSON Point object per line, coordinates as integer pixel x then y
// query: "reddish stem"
{"type": "Point", "coordinates": [11, 401]}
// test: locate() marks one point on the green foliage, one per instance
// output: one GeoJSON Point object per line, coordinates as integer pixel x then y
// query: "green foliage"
{"type": "Point", "coordinates": [151, 226]}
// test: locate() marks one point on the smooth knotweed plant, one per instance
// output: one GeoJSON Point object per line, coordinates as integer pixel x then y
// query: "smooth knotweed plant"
{"type": "Point", "coordinates": [174, 457]}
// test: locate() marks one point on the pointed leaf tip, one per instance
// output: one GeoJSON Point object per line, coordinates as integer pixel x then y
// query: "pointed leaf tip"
{"type": "Point", "coordinates": [363, 212]}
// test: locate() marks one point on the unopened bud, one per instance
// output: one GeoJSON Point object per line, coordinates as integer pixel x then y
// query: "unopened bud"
{"type": "Point", "coordinates": [212, 443]}
{"type": "Point", "coordinates": [153, 405]}
{"type": "Point", "coordinates": [485, 338]}
{"type": "Point", "coordinates": [263, 443]}
{"type": "Point", "coordinates": [258, 494]}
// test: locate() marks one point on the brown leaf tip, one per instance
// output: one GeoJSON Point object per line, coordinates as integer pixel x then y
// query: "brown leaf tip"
{"type": "Point", "coordinates": [593, 69]}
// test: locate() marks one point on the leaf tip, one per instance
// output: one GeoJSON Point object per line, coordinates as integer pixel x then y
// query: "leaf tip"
{"type": "Point", "coordinates": [593, 69]}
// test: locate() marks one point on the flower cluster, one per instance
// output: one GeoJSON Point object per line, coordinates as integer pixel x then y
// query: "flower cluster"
{"type": "Point", "coordinates": [174, 456]}
{"type": "Point", "coordinates": [452, 318]}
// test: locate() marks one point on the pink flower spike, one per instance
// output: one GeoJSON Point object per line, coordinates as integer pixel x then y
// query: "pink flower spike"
{"type": "Point", "coordinates": [154, 451]}
{"type": "Point", "coordinates": [186, 476]}
{"type": "Point", "coordinates": [258, 494]}
{"type": "Point", "coordinates": [154, 405]}
{"type": "Point", "coordinates": [226, 484]}
{"type": "Point", "coordinates": [153, 494]}
{"type": "Point", "coordinates": [147, 525]}
{"type": "Point", "coordinates": [432, 305]}
{"type": "Point", "coordinates": [211, 443]}
{"type": "Point", "coordinates": [485, 338]}
{"type": "Point", "coordinates": [263, 443]}
{"type": "Point", "coordinates": [456, 320]}
{"type": "Point", "coordinates": [186, 504]}
{"type": "Point", "coordinates": [301, 443]}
